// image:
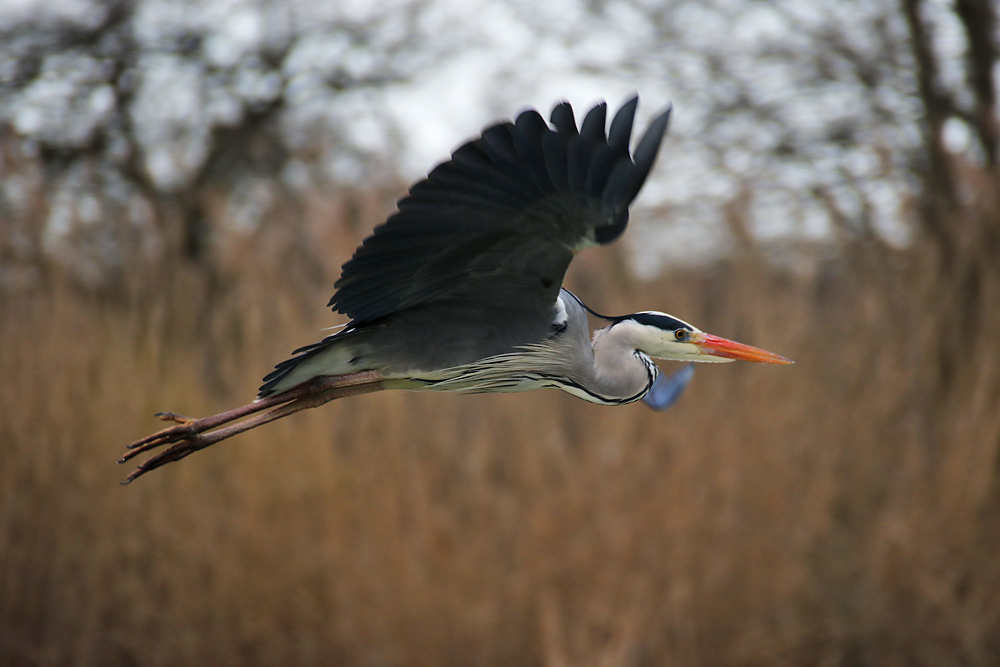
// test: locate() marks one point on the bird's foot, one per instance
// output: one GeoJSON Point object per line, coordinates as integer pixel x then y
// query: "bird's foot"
{"type": "Point", "coordinates": [189, 435]}
{"type": "Point", "coordinates": [185, 428]}
{"type": "Point", "coordinates": [186, 437]}
{"type": "Point", "coordinates": [182, 446]}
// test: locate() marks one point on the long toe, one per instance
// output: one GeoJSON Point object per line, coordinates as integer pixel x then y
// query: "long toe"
{"type": "Point", "coordinates": [164, 437]}
{"type": "Point", "coordinates": [173, 453]}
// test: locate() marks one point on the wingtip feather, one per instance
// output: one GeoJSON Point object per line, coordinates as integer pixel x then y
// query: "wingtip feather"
{"type": "Point", "coordinates": [621, 126]}
{"type": "Point", "coordinates": [563, 119]}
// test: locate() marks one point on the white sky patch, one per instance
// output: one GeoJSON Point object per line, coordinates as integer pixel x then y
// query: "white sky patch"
{"type": "Point", "coordinates": [239, 33]}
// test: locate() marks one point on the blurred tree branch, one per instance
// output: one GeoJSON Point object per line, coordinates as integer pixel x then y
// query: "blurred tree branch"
{"type": "Point", "coordinates": [980, 23]}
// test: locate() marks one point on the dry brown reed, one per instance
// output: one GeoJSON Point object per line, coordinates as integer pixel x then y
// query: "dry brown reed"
{"type": "Point", "coordinates": [840, 511]}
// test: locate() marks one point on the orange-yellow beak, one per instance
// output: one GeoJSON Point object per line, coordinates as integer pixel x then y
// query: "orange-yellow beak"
{"type": "Point", "coordinates": [730, 349]}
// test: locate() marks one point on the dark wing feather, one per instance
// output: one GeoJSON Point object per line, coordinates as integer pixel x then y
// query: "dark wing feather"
{"type": "Point", "coordinates": [502, 219]}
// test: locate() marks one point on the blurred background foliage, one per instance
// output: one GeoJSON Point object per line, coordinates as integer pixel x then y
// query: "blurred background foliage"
{"type": "Point", "coordinates": [181, 181]}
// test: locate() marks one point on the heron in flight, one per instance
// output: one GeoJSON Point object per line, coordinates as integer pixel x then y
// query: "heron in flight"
{"type": "Point", "coordinates": [461, 289]}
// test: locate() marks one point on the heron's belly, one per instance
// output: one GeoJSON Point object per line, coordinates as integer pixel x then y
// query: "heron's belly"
{"type": "Point", "coordinates": [474, 383]}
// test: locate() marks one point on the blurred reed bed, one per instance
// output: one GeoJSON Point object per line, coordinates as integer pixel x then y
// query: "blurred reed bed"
{"type": "Point", "coordinates": [840, 511]}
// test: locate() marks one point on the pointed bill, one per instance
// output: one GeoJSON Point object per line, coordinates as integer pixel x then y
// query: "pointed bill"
{"type": "Point", "coordinates": [730, 349]}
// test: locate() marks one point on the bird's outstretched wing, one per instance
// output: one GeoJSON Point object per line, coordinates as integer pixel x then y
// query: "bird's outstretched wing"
{"type": "Point", "coordinates": [501, 220]}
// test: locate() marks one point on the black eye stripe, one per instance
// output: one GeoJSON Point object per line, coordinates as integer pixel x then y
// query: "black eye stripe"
{"type": "Point", "coordinates": [658, 320]}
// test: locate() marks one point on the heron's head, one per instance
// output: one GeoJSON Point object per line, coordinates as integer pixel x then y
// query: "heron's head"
{"type": "Point", "coordinates": [664, 336]}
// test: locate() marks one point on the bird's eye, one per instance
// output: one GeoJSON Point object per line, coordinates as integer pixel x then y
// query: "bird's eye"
{"type": "Point", "coordinates": [681, 334]}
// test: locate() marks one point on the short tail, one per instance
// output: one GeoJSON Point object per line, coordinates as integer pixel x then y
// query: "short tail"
{"type": "Point", "coordinates": [274, 379]}
{"type": "Point", "coordinates": [329, 356]}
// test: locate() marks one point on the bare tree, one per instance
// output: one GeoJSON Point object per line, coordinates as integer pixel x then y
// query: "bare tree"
{"type": "Point", "coordinates": [126, 125]}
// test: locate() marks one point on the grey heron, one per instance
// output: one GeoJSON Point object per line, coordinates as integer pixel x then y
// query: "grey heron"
{"type": "Point", "coordinates": [461, 288]}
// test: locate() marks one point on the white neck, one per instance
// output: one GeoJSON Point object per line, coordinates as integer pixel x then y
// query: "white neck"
{"type": "Point", "coordinates": [621, 373]}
